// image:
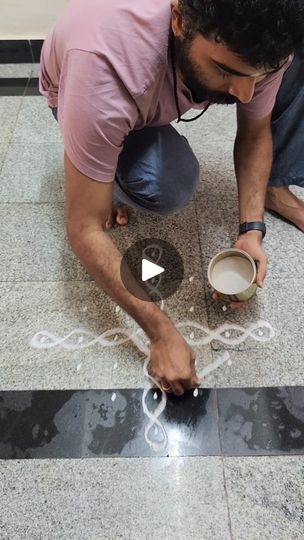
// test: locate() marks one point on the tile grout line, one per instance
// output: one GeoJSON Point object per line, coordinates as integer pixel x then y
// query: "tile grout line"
{"type": "Point", "coordinates": [4, 156]}
{"type": "Point", "coordinates": [204, 280]}
{"type": "Point", "coordinates": [10, 139]}
{"type": "Point", "coordinates": [227, 498]}
{"type": "Point", "coordinates": [16, 121]}
{"type": "Point", "coordinates": [201, 255]}
{"type": "Point", "coordinates": [31, 50]}
{"type": "Point", "coordinates": [223, 465]}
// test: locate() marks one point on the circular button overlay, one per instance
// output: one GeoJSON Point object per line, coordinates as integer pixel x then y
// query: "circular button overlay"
{"type": "Point", "coordinates": [152, 269]}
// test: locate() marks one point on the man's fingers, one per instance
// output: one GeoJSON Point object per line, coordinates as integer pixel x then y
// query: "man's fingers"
{"type": "Point", "coordinates": [177, 388]}
{"type": "Point", "coordinates": [261, 274]}
{"type": "Point", "coordinates": [236, 305]}
{"type": "Point", "coordinates": [195, 380]}
{"type": "Point", "coordinates": [165, 385]}
{"type": "Point", "coordinates": [233, 305]}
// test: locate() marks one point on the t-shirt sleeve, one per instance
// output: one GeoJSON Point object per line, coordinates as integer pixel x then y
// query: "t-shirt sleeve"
{"type": "Point", "coordinates": [265, 95]}
{"type": "Point", "coordinates": [95, 113]}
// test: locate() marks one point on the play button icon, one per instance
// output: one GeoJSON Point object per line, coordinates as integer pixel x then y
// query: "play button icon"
{"type": "Point", "coordinates": [152, 269]}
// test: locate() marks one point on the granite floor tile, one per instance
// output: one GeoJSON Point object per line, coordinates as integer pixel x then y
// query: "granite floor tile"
{"type": "Point", "coordinates": [106, 423]}
{"type": "Point", "coordinates": [259, 368]}
{"type": "Point", "coordinates": [3, 151]}
{"type": "Point", "coordinates": [29, 310]}
{"type": "Point", "coordinates": [261, 421]}
{"type": "Point", "coordinates": [217, 200]}
{"type": "Point", "coordinates": [298, 191]}
{"type": "Point", "coordinates": [266, 497]}
{"type": "Point", "coordinates": [35, 70]}
{"type": "Point", "coordinates": [34, 245]}
{"type": "Point", "coordinates": [284, 245]}
{"type": "Point", "coordinates": [217, 178]}
{"type": "Point", "coordinates": [217, 126]}
{"type": "Point", "coordinates": [279, 304]}
{"type": "Point", "coordinates": [114, 498]}
{"type": "Point", "coordinates": [16, 70]}
{"type": "Point", "coordinates": [9, 110]}
{"type": "Point", "coordinates": [36, 123]}
{"type": "Point", "coordinates": [33, 173]}
{"type": "Point", "coordinates": [218, 219]}
{"type": "Point", "coordinates": [179, 229]}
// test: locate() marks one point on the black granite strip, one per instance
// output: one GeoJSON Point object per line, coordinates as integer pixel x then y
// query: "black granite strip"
{"type": "Point", "coordinates": [32, 88]}
{"type": "Point", "coordinates": [96, 423]}
{"type": "Point", "coordinates": [15, 51]}
{"type": "Point", "coordinates": [13, 87]}
{"type": "Point", "coordinates": [99, 423]}
{"type": "Point", "coordinates": [36, 46]}
{"type": "Point", "coordinates": [20, 51]}
{"type": "Point", "coordinates": [19, 86]}
{"type": "Point", "coordinates": [261, 421]}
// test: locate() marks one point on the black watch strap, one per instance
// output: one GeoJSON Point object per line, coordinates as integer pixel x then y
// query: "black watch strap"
{"type": "Point", "coordinates": [253, 226]}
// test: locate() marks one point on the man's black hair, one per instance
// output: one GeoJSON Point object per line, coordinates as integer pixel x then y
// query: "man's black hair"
{"type": "Point", "coordinates": [262, 33]}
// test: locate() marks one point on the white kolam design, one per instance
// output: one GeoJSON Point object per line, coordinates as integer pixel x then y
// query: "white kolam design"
{"type": "Point", "coordinates": [228, 334]}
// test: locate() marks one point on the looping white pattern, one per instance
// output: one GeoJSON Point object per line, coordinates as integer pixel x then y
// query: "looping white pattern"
{"type": "Point", "coordinates": [161, 445]}
{"type": "Point", "coordinates": [260, 331]}
{"type": "Point", "coordinates": [47, 340]}
{"type": "Point", "coordinates": [156, 249]}
{"type": "Point", "coordinates": [82, 339]}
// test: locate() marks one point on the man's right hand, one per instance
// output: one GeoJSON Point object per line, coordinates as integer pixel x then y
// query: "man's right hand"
{"type": "Point", "coordinates": [89, 205]}
{"type": "Point", "coordinates": [172, 362]}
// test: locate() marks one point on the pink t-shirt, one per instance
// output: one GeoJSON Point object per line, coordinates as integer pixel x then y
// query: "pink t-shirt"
{"type": "Point", "coordinates": [105, 65]}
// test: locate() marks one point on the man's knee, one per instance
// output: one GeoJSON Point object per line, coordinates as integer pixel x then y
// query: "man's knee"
{"type": "Point", "coordinates": [158, 170]}
{"type": "Point", "coordinates": [178, 190]}
{"type": "Point", "coordinates": [179, 172]}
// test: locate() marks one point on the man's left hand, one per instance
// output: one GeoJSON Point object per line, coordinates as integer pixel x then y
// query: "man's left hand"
{"type": "Point", "coordinates": [251, 242]}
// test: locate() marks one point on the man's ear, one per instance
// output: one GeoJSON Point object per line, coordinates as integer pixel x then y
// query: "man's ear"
{"type": "Point", "coordinates": [177, 21]}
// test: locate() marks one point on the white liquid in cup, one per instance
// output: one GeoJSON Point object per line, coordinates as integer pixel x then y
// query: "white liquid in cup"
{"type": "Point", "coordinates": [232, 275]}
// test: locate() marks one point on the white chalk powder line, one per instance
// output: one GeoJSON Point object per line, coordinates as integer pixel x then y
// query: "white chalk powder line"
{"type": "Point", "coordinates": [47, 340]}
{"type": "Point", "coordinates": [109, 338]}
{"type": "Point", "coordinates": [161, 445]}
{"type": "Point", "coordinates": [226, 329]}
{"type": "Point", "coordinates": [157, 446]}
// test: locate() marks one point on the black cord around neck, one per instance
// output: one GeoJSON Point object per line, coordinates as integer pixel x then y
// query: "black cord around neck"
{"type": "Point", "coordinates": [179, 118]}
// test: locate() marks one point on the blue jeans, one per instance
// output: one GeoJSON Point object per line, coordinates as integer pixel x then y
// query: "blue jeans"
{"type": "Point", "coordinates": [157, 171]}
{"type": "Point", "coordinates": [288, 129]}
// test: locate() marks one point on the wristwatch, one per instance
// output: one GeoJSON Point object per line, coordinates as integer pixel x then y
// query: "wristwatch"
{"type": "Point", "coordinates": [253, 226]}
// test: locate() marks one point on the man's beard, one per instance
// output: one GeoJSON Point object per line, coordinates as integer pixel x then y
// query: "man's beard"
{"type": "Point", "coordinates": [199, 91]}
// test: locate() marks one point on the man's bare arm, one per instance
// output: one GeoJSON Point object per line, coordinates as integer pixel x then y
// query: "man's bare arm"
{"type": "Point", "coordinates": [253, 156]}
{"type": "Point", "coordinates": [88, 206]}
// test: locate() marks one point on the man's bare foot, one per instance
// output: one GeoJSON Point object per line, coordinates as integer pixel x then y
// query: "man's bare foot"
{"type": "Point", "coordinates": [286, 204]}
{"type": "Point", "coordinates": [119, 216]}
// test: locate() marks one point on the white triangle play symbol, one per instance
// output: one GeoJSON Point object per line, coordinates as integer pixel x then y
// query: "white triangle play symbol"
{"type": "Point", "coordinates": [150, 270]}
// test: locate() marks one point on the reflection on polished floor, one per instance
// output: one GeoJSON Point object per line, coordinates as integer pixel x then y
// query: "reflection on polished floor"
{"type": "Point", "coordinates": [226, 463]}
